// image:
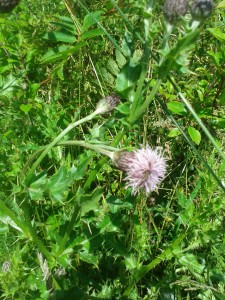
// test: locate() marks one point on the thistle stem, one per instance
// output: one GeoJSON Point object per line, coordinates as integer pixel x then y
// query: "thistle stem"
{"type": "Point", "coordinates": [57, 139]}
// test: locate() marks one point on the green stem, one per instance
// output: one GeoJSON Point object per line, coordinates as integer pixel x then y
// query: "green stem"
{"type": "Point", "coordinates": [74, 218]}
{"type": "Point", "coordinates": [57, 139]}
{"type": "Point", "coordinates": [139, 90]}
{"type": "Point", "coordinates": [199, 121]}
{"type": "Point", "coordinates": [143, 108]}
{"type": "Point", "coordinates": [34, 236]}
{"type": "Point", "coordinates": [103, 149]}
{"type": "Point", "coordinates": [99, 165]}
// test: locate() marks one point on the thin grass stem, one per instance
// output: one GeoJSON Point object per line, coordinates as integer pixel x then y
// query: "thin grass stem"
{"type": "Point", "coordinates": [191, 144]}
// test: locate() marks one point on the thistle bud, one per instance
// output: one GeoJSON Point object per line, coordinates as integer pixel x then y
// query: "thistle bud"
{"type": "Point", "coordinates": [201, 9]}
{"type": "Point", "coordinates": [8, 5]}
{"type": "Point", "coordinates": [107, 104]}
{"type": "Point", "coordinates": [173, 9]}
{"type": "Point", "coordinates": [122, 159]}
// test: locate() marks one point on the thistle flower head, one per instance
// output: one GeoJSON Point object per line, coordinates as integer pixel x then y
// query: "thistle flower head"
{"type": "Point", "coordinates": [107, 104]}
{"type": "Point", "coordinates": [173, 9]}
{"type": "Point", "coordinates": [201, 9]}
{"type": "Point", "coordinates": [145, 168]}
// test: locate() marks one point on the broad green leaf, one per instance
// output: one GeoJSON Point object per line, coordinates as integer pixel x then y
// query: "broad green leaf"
{"type": "Point", "coordinates": [217, 33]}
{"type": "Point", "coordinates": [124, 108]}
{"type": "Point", "coordinates": [89, 258]}
{"type": "Point", "coordinates": [106, 224]}
{"type": "Point", "coordinates": [38, 187]}
{"type": "Point", "coordinates": [58, 185]}
{"type": "Point", "coordinates": [60, 36]}
{"type": "Point", "coordinates": [176, 107]}
{"type": "Point", "coordinates": [91, 19]}
{"type": "Point", "coordinates": [127, 78]}
{"type": "Point", "coordinates": [91, 201]}
{"type": "Point", "coordinates": [91, 33]}
{"type": "Point", "coordinates": [190, 261]}
{"type": "Point", "coordinates": [195, 135]}
{"type": "Point", "coordinates": [25, 107]}
{"type": "Point", "coordinates": [174, 132]}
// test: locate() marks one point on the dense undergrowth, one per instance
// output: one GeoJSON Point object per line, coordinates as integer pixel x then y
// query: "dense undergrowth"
{"type": "Point", "coordinates": [69, 227]}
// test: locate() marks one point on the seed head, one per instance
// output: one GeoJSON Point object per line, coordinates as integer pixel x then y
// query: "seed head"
{"type": "Point", "coordinates": [145, 168]}
{"type": "Point", "coordinates": [107, 104]}
{"type": "Point", "coordinates": [201, 9]}
{"type": "Point", "coordinates": [8, 5]}
{"type": "Point", "coordinates": [173, 9]}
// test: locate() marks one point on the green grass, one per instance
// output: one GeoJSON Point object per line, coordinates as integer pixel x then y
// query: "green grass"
{"type": "Point", "coordinates": [69, 228]}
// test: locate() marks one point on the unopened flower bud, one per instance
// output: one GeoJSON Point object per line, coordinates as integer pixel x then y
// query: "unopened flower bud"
{"type": "Point", "coordinates": [201, 9]}
{"type": "Point", "coordinates": [107, 104]}
{"type": "Point", "coordinates": [8, 5]}
{"type": "Point", "coordinates": [122, 159]}
{"type": "Point", "coordinates": [173, 9]}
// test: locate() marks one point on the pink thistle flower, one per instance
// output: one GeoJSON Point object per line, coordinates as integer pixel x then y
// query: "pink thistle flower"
{"type": "Point", "coordinates": [145, 168]}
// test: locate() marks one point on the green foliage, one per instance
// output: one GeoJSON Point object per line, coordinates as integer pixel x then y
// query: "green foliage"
{"type": "Point", "coordinates": [69, 228]}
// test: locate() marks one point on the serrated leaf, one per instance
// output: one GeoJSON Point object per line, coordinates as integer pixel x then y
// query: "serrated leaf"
{"type": "Point", "coordinates": [113, 67]}
{"type": "Point", "coordinates": [37, 187]}
{"type": "Point", "coordinates": [107, 76]}
{"type": "Point", "coordinates": [120, 59]}
{"type": "Point", "coordinates": [107, 225]}
{"type": "Point", "coordinates": [91, 19]}
{"type": "Point", "coordinates": [176, 59]}
{"type": "Point", "coordinates": [190, 261]}
{"type": "Point", "coordinates": [91, 201]}
{"type": "Point", "coordinates": [89, 258]}
{"type": "Point", "coordinates": [176, 107]}
{"type": "Point", "coordinates": [195, 135]}
{"type": "Point", "coordinates": [58, 185]}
